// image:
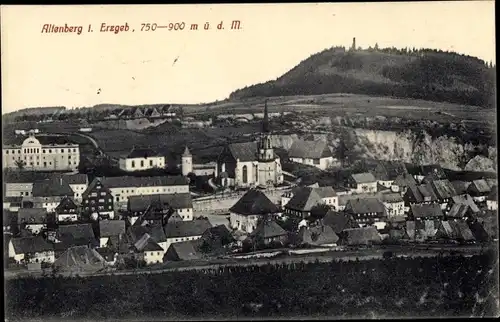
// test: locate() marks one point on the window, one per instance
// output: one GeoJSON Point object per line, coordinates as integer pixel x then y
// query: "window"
{"type": "Point", "coordinates": [150, 163]}
{"type": "Point", "coordinates": [316, 161]}
{"type": "Point", "coordinates": [74, 150]}
{"type": "Point", "coordinates": [62, 150]}
{"type": "Point", "coordinates": [245, 174]}
{"type": "Point", "coordinates": [7, 152]}
{"type": "Point", "coordinates": [142, 163]}
{"type": "Point", "coordinates": [69, 156]}
{"type": "Point", "coordinates": [133, 164]}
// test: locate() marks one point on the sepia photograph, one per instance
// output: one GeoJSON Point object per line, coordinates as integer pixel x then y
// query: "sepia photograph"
{"type": "Point", "coordinates": [249, 161]}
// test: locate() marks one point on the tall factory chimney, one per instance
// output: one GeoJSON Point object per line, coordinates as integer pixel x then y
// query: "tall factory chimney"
{"type": "Point", "coordinates": [354, 43]}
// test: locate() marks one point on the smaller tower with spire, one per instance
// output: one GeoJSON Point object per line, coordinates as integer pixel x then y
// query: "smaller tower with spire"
{"type": "Point", "coordinates": [187, 162]}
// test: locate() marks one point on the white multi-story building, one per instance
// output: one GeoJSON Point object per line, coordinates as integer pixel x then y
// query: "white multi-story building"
{"type": "Point", "coordinates": [41, 157]}
{"type": "Point", "coordinates": [314, 153]}
{"type": "Point", "coordinates": [141, 159]}
{"type": "Point", "coordinates": [126, 186]}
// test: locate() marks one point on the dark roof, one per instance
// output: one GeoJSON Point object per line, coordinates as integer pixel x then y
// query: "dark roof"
{"type": "Point", "coordinates": [77, 178]}
{"type": "Point", "coordinates": [52, 188]}
{"type": "Point", "coordinates": [420, 192]}
{"type": "Point", "coordinates": [77, 234]}
{"type": "Point", "coordinates": [443, 189]}
{"type": "Point", "coordinates": [309, 149]}
{"type": "Point", "coordinates": [404, 180]}
{"type": "Point", "coordinates": [458, 211]}
{"type": "Point", "coordinates": [480, 186]}
{"type": "Point", "coordinates": [318, 235]}
{"type": "Point", "coordinates": [183, 251]}
{"type": "Point", "coordinates": [142, 153]}
{"type": "Point", "coordinates": [460, 186]}
{"type": "Point", "coordinates": [93, 186]}
{"type": "Point", "coordinates": [31, 245]}
{"type": "Point", "coordinates": [326, 192]}
{"type": "Point", "coordinates": [175, 200]}
{"type": "Point", "coordinates": [80, 258]}
{"type": "Point", "coordinates": [254, 202]}
{"type": "Point", "coordinates": [26, 176]}
{"type": "Point", "coordinates": [426, 210]}
{"type": "Point", "coordinates": [365, 206]}
{"type": "Point", "coordinates": [466, 200]}
{"type": "Point", "coordinates": [110, 228]}
{"type": "Point", "coordinates": [304, 199]}
{"type": "Point", "coordinates": [478, 231]}
{"type": "Point", "coordinates": [151, 246]}
{"type": "Point", "coordinates": [66, 203]}
{"type": "Point", "coordinates": [32, 215]}
{"type": "Point", "coordinates": [493, 196]}
{"type": "Point", "coordinates": [365, 177]}
{"type": "Point", "coordinates": [389, 170]}
{"type": "Point", "coordinates": [339, 221]}
{"type": "Point", "coordinates": [245, 151]}
{"type": "Point", "coordinates": [190, 228]}
{"type": "Point", "coordinates": [360, 236]}
{"type": "Point", "coordinates": [391, 197]}
{"type": "Point", "coordinates": [131, 181]}
{"type": "Point", "coordinates": [268, 229]}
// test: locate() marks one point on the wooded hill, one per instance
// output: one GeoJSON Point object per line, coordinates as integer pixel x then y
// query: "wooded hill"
{"type": "Point", "coordinates": [427, 74]}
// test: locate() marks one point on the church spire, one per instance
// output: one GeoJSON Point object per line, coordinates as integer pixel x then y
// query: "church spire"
{"type": "Point", "coordinates": [265, 122]}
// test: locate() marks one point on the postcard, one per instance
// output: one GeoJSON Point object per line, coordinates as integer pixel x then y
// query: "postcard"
{"type": "Point", "coordinates": [249, 161]}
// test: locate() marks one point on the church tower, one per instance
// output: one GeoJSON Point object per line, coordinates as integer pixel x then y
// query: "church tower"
{"type": "Point", "coordinates": [187, 162]}
{"type": "Point", "coordinates": [266, 151]}
{"type": "Point", "coordinates": [268, 165]}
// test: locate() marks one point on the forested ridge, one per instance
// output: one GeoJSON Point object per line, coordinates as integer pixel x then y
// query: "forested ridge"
{"type": "Point", "coordinates": [427, 74]}
{"type": "Point", "coordinates": [442, 286]}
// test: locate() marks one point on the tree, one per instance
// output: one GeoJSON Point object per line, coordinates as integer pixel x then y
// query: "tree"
{"type": "Point", "coordinates": [21, 164]}
{"type": "Point", "coordinates": [319, 211]}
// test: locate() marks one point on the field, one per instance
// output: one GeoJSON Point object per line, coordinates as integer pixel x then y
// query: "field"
{"type": "Point", "coordinates": [447, 286]}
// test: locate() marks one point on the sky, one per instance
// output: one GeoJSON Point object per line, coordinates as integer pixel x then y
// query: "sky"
{"type": "Point", "coordinates": [188, 66]}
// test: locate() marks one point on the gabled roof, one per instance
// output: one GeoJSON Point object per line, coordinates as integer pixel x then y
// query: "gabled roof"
{"type": "Point", "coordinates": [326, 192]}
{"type": "Point", "coordinates": [246, 151]}
{"type": "Point", "coordinates": [31, 245]}
{"type": "Point", "coordinates": [443, 189]}
{"type": "Point", "coordinates": [365, 177]}
{"type": "Point", "coordinates": [65, 204]}
{"type": "Point", "coordinates": [183, 251]}
{"type": "Point", "coordinates": [304, 199]}
{"type": "Point", "coordinates": [56, 187]}
{"type": "Point", "coordinates": [142, 153]}
{"type": "Point", "coordinates": [309, 149]}
{"type": "Point", "coordinates": [360, 236]}
{"type": "Point", "coordinates": [147, 244]}
{"type": "Point", "coordinates": [365, 206]}
{"type": "Point", "coordinates": [93, 185]}
{"type": "Point", "coordinates": [458, 211]}
{"type": "Point", "coordinates": [254, 202]}
{"type": "Point", "coordinates": [32, 215]}
{"type": "Point", "coordinates": [466, 200]}
{"type": "Point", "coordinates": [480, 186]}
{"type": "Point", "coordinates": [108, 228]}
{"type": "Point", "coordinates": [132, 181]}
{"type": "Point", "coordinates": [190, 228]}
{"type": "Point", "coordinates": [389, 170]}
{"type": "Point", "coordinates": [391, 197]}
{"type": "Point", "coordinates": [339, 221]}
{"type": "Point", "coordinates": [268, 229]}
{"type": "Point", "coordinates": [175, 200]}
{"type": "Point", "coordinates": [80, 258]}
{"type": "Point", "coordinates": [318, 235]}
{"type": "Point", "coordinates": [426, 210]}
{"type": "Point", "coordinates": [460, 186]}
{"type": "Point", "coordinates": [404, 180]}
{"type": "Point", "coordinates": [76, 235]}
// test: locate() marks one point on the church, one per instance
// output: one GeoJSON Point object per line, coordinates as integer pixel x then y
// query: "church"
{"type": "Point", "coordinates": [250, 164]}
